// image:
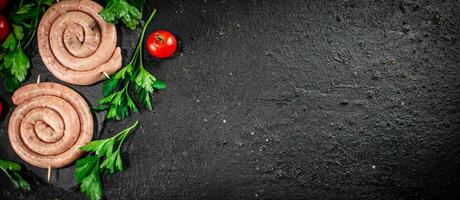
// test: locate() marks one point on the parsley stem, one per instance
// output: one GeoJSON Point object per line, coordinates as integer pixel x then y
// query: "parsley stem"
{"type": "Point", "coordinates": [32, 36]}
{"type": "Point", "coordinates": [147, 24]}
{"type": "Point", "coordinates": [9, 175]}
{"type": "Point", "coordinates": [126, 87]}
{"type": "Point", "coordinates": [125, 133]}
{"type": "Point", "coordinates": [4, 170]}
{"type": "Point", "coordinates": [141, 38]}
{"type": "Point", "coordinates": [134, 58]}
{"type": "Point", "coordinates": [121, 141]}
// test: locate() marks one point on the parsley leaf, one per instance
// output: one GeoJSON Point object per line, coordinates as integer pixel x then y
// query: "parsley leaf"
{"type": "Point", "coordinates": [119, 103]}
{"type": "Point", "coordinates": [11, 169]}
{"type": "Point", "coordinates": [118, 99]}
{"type": "Point", "coordinates": [159, 85]}
{"type": "Point", "coordinates": [91, 184]}
{"type": "Point", "coordinates": [14, 63]}
{"type": "Point", "coordinates": [109, 162]}
{"type": "Point", "coordinates": [118, 163]}
{"type": "Point", "coordinates": [97, 146]}
{"type": "Point", "coordinates": [10, 43]}
{"type": "Point", "coordinates": [84, 167]}
{"type": "Point", "coordinates": [18, 63]}
{"type": "Point", "coordinates": [47, 2]}
{"type": "Point", "coordinates": [117, 10]}
{"type": "Point", "coordinates": [11, 82]}
{"type": "Point", "coordinates": [109, 86]}
{"type": "Point", "coordinates": [18, 31]}
{"type": "Point", "coordinates": [103, 159]}
{"type": "Point", "coordinates": [139, 4]}
{"type": "Point", "coordinates": [145, 83]}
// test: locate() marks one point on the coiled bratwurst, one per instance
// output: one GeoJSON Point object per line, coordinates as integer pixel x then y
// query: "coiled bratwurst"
{"type": "Point", "coordinates": [76, 44]}
{"type": "Point", "coordinates": [49, 125]}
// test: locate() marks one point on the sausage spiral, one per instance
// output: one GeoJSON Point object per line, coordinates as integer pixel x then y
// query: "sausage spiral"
{"type": "Point", "coordinates": [49, 125]}
{"type": "Point", "coordinates": [76, 44]}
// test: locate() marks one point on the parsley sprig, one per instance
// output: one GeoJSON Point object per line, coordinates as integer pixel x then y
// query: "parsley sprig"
{"type": "Point", "coordinates": [126, 11]}
{"type": "Point", "coordinates": [24, 19]}
{"type": "Point", "coordinates": [117, 95]}
{"type": "Point", "coordinates": [105, 158]}
{"type": "Point", "coordinates": [11, 169]}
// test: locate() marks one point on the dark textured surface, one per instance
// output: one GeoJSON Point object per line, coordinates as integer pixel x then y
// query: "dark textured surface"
{"type": "Point", "coordinates": [291, 100]}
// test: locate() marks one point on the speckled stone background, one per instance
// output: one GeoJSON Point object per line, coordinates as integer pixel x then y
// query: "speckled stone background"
{"type": "Point", "coordinates": [342, 99]}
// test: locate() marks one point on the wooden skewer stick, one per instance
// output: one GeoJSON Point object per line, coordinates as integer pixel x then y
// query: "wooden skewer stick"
{"type": "Point", "coordinates": [38, 79]}
{"type": "Point", "coordinates": [49, 173]}
{"type": "Point", "coordinates": [106, 75]}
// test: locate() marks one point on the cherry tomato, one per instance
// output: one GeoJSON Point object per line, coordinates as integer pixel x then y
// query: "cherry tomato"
{"type": "Point", "coordinates": [161, 44]}
{"type": "Point", "coordinates": [3, 4]}
{"type": "Point", "coordinates": [4, 28]}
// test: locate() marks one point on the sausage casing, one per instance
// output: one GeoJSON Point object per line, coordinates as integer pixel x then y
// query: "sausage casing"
{"type": "Point", "coordinates": [49, 125]}
{"type": "Point", "coordinates": [76, 44]}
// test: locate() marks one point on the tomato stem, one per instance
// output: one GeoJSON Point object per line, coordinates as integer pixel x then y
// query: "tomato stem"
{"type": "Point", "coordinates": [160, 38]}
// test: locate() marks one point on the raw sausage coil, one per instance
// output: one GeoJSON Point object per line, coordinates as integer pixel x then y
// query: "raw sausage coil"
{"type": "Point", "coordinates": [76, 44]}
{"type": "Point", "coordinates": [49, 125]}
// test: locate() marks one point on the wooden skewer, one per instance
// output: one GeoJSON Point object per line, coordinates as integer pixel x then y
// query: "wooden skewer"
{"type": "Point", "coordinates": [106, 75]}
{"type": "Point", "coordinates": [38, 79]}
{"type": "Point", "coordinates": [49, 173]}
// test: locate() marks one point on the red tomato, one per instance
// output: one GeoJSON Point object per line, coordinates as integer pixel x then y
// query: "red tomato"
{"type": "Point", "coordinates": [3, 4]}
{"type": "Point", "coordinates": [1, 108]}
{"type": "Point", "coordinates": [4, 28]}
{"type": "Point", "coordinates": [161, 44]}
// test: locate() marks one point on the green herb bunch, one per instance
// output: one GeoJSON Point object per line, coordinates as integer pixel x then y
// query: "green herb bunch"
{"type": "Point", "coordinates": [117, 95]}
{"type": "Point", "coordinates": [24, 19]}
{"type": "Point", "coordinates": [126, 11]}
{"type": "Point", "coordinates": [105, 158]}
{"type": "Point", "coordinates": [11, 169]}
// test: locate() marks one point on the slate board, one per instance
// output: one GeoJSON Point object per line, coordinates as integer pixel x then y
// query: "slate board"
{"type": "Point", "coordinates": [288, 100]}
